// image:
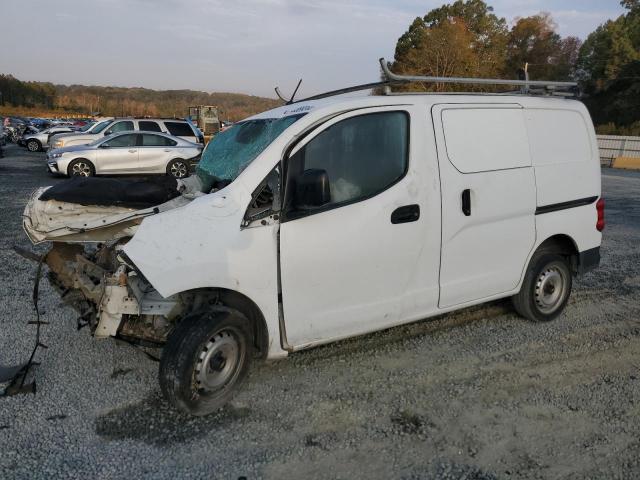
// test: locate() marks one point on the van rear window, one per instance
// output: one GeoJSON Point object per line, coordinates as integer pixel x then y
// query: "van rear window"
{"type": "Point", "coordinates": [486, 139]}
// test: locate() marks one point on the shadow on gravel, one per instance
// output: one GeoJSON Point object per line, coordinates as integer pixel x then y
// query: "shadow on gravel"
{"type": "Point", "coordinates": [154, 422]}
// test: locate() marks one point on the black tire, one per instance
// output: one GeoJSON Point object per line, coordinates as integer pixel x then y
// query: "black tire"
{"type": "Point", "coordinates": [34, 145]}
{"type": "Point", "coordinates": [546, 288]}
{"type": "Point", "coordinates": [202, 346]}
{"type": "Point", "coordinates": [81, 167]}
{"type": "Point", "coordinates": [178, 168]}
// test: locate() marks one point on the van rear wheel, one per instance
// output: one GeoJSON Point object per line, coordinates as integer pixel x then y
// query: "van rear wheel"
{"type": "Point", "coordinates": [206, 357]}
{"type": "Point", "coordinates": [546, 288]}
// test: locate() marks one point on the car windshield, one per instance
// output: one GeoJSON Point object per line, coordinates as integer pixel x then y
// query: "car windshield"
{"type": "Point", "coordinates": [231, 151]}
{"type": "Point", "coordinates": [101, 126]}
{"type": "Point", "coordinates": [87, 127]}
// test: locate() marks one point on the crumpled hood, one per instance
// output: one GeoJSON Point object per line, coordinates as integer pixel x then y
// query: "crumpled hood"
{"type": "Point", "coordinates": [57, 221]}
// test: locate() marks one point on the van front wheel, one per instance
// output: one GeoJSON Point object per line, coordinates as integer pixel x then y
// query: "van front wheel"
{"type": "Point", "coordinates": [546, 288]}
{"type": "Point", "coordinates": [206, 357]}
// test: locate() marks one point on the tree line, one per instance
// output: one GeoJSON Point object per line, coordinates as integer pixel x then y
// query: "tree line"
{"type": "Point", "coordinates": [467, 39]}
{"type": "Point", "coordinates": [119, 101]}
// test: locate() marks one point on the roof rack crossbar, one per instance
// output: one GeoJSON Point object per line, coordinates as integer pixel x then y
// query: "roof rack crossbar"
{"type": "Point", "coordinates": [392, 77]}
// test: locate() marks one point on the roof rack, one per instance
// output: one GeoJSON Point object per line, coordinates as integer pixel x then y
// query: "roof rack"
{"type": "Point", "coordinates": [532, 87]}
{"type": "Point", "coordinates": [526, 84]}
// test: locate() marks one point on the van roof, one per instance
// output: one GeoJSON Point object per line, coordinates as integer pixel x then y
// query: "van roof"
{"type": "Point", "coordinates": [344, 102]}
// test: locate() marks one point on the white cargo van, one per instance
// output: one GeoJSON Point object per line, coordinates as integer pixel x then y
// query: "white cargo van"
{"type": "Point", "coordinates": [331, 218]}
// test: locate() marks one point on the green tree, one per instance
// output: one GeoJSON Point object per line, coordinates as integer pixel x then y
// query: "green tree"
{"type": "Point", "coordinates": [609, 69]}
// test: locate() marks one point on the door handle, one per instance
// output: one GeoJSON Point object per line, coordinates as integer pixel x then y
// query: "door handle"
{"type": "Point", "coordinates": [466, 202]}
{"type": "Point", "coordinates": [406, 214]}
{"type": "Point", "coordinates": [167, 150]}
{"type": "Point", "coordinates": [133, 151]}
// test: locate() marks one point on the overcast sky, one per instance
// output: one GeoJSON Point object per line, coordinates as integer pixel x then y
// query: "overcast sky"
{"type": "Point", "coordinates": [245, 46]}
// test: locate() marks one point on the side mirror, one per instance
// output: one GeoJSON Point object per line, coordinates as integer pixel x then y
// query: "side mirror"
{"type": "Point", "coordinates": [312, 189]}
{"type": "Point", "coordinates": [106, 134]}
{"type": "Point", "coordinates": [104, 145]}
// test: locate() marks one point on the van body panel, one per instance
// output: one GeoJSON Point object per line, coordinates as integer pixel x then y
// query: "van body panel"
{"type": "Point", "coordinates": [566, 162]}
{"type": "Point", "coordinates": [483, 250]}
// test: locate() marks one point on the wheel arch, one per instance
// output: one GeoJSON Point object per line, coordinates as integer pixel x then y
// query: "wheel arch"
{"type": "Point", "coordinates": [561, 244]}
{"type": "Point", "coordinates": [209, 298]}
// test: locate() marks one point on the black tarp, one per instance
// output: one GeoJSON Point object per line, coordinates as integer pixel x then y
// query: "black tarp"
{"type": "Point", "coordinates": [126, 192]}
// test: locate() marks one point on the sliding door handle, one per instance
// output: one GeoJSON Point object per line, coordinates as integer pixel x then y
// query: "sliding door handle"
{"type": "Point", "coordinates": [406, 214]}
{"type": "Point", "coordinates": [466, 202]}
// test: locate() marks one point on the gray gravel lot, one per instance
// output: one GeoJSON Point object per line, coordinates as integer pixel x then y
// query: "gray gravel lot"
{"type": "Point", "coordinates": [480, 394]}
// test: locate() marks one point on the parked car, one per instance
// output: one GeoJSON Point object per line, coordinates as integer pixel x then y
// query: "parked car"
{"type": "Point", "coordinates": [29, 130]}
{"type": "Point", "coordinates": [127, 153]}
{"type": "Point", "coordinates": [331, 218]}
{"type": "Point", "coordinates": [37, 142]}
{"type": "Point", "coordinates": [175, 127]}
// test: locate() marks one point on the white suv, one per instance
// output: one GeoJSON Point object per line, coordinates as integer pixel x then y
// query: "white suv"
{"type": "Point", "coordinates": [332, 218]}
{"type": "Point", "coordinates": [174, 126]}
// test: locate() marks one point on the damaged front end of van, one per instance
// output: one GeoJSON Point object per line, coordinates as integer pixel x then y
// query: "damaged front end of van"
{"type": "Point", "coordinates": [86, 263]}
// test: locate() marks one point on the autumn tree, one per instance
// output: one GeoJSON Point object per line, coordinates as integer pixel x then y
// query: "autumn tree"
{"type": "Point", "coordinates": [444, 50]}
{"type": "Point", "coordinates": [534, 41]}
{"type": "Point", "coordinates": [461, 39]}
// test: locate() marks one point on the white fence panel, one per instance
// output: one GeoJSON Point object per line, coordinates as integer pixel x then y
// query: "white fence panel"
{"type": "Point", "coordinates": [614, 146]}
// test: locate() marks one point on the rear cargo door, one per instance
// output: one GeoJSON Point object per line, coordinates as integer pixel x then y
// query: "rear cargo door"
{"type": "Point", "coordinates": [488, 200]}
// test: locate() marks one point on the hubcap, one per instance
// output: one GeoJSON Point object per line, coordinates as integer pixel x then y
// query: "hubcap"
{"type": "Point", "coordinates": [550, 289]}
{"type": "Point", "coordinates": [33, 146]}
{"type": "Point", "coordinates": [178, 169]}
{"type": "Point", "coordinates": [81, 169]}
{"type": "Point", "coordinates": [218, 361]}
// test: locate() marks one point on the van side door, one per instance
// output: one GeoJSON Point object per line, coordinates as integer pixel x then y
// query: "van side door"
{"type": "Point", "coordinates": [364, 254]}
{"type": "Point", "coordinates": [488, 200]}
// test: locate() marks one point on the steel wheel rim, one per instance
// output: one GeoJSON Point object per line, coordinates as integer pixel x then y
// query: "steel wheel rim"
{"type": "Point", "coordinates": [550, 289]}
{"type": "Point", "coordinates": [178, 169]}
{"type": "Point", "coordinates": [219, 362]}
{"type": "Point", "coordinates": [80, 169]}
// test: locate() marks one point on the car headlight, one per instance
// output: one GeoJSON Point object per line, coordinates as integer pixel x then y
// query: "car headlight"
{"type": "Point", "coordinates": [55, 155]}
{"type": "Point", "coordinates": [58, 143]}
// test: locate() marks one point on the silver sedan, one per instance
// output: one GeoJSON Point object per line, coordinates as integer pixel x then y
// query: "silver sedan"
{"type": "Point", "coordinates": [127, 153]}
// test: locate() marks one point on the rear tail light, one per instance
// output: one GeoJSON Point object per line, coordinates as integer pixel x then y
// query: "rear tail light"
{"type": "Point", "coordinates": [600, 210]}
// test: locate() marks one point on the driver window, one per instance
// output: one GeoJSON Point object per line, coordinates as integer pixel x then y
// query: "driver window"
{"type": "Point", "coordinates": [362, 155]}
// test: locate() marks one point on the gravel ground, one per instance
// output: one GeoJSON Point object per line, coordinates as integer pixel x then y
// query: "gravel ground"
{"type": "Point", "coordinates": [480, 394]}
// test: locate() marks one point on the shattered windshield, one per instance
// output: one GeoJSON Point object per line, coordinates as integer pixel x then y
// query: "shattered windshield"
{"type": "Point", "coordinates": [231, 151]}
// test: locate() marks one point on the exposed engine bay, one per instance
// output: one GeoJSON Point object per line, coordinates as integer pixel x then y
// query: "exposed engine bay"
{"type": "Point", "coordinates": [110, 296]}
{"type": "Point", "coordinates": [86, 262]}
